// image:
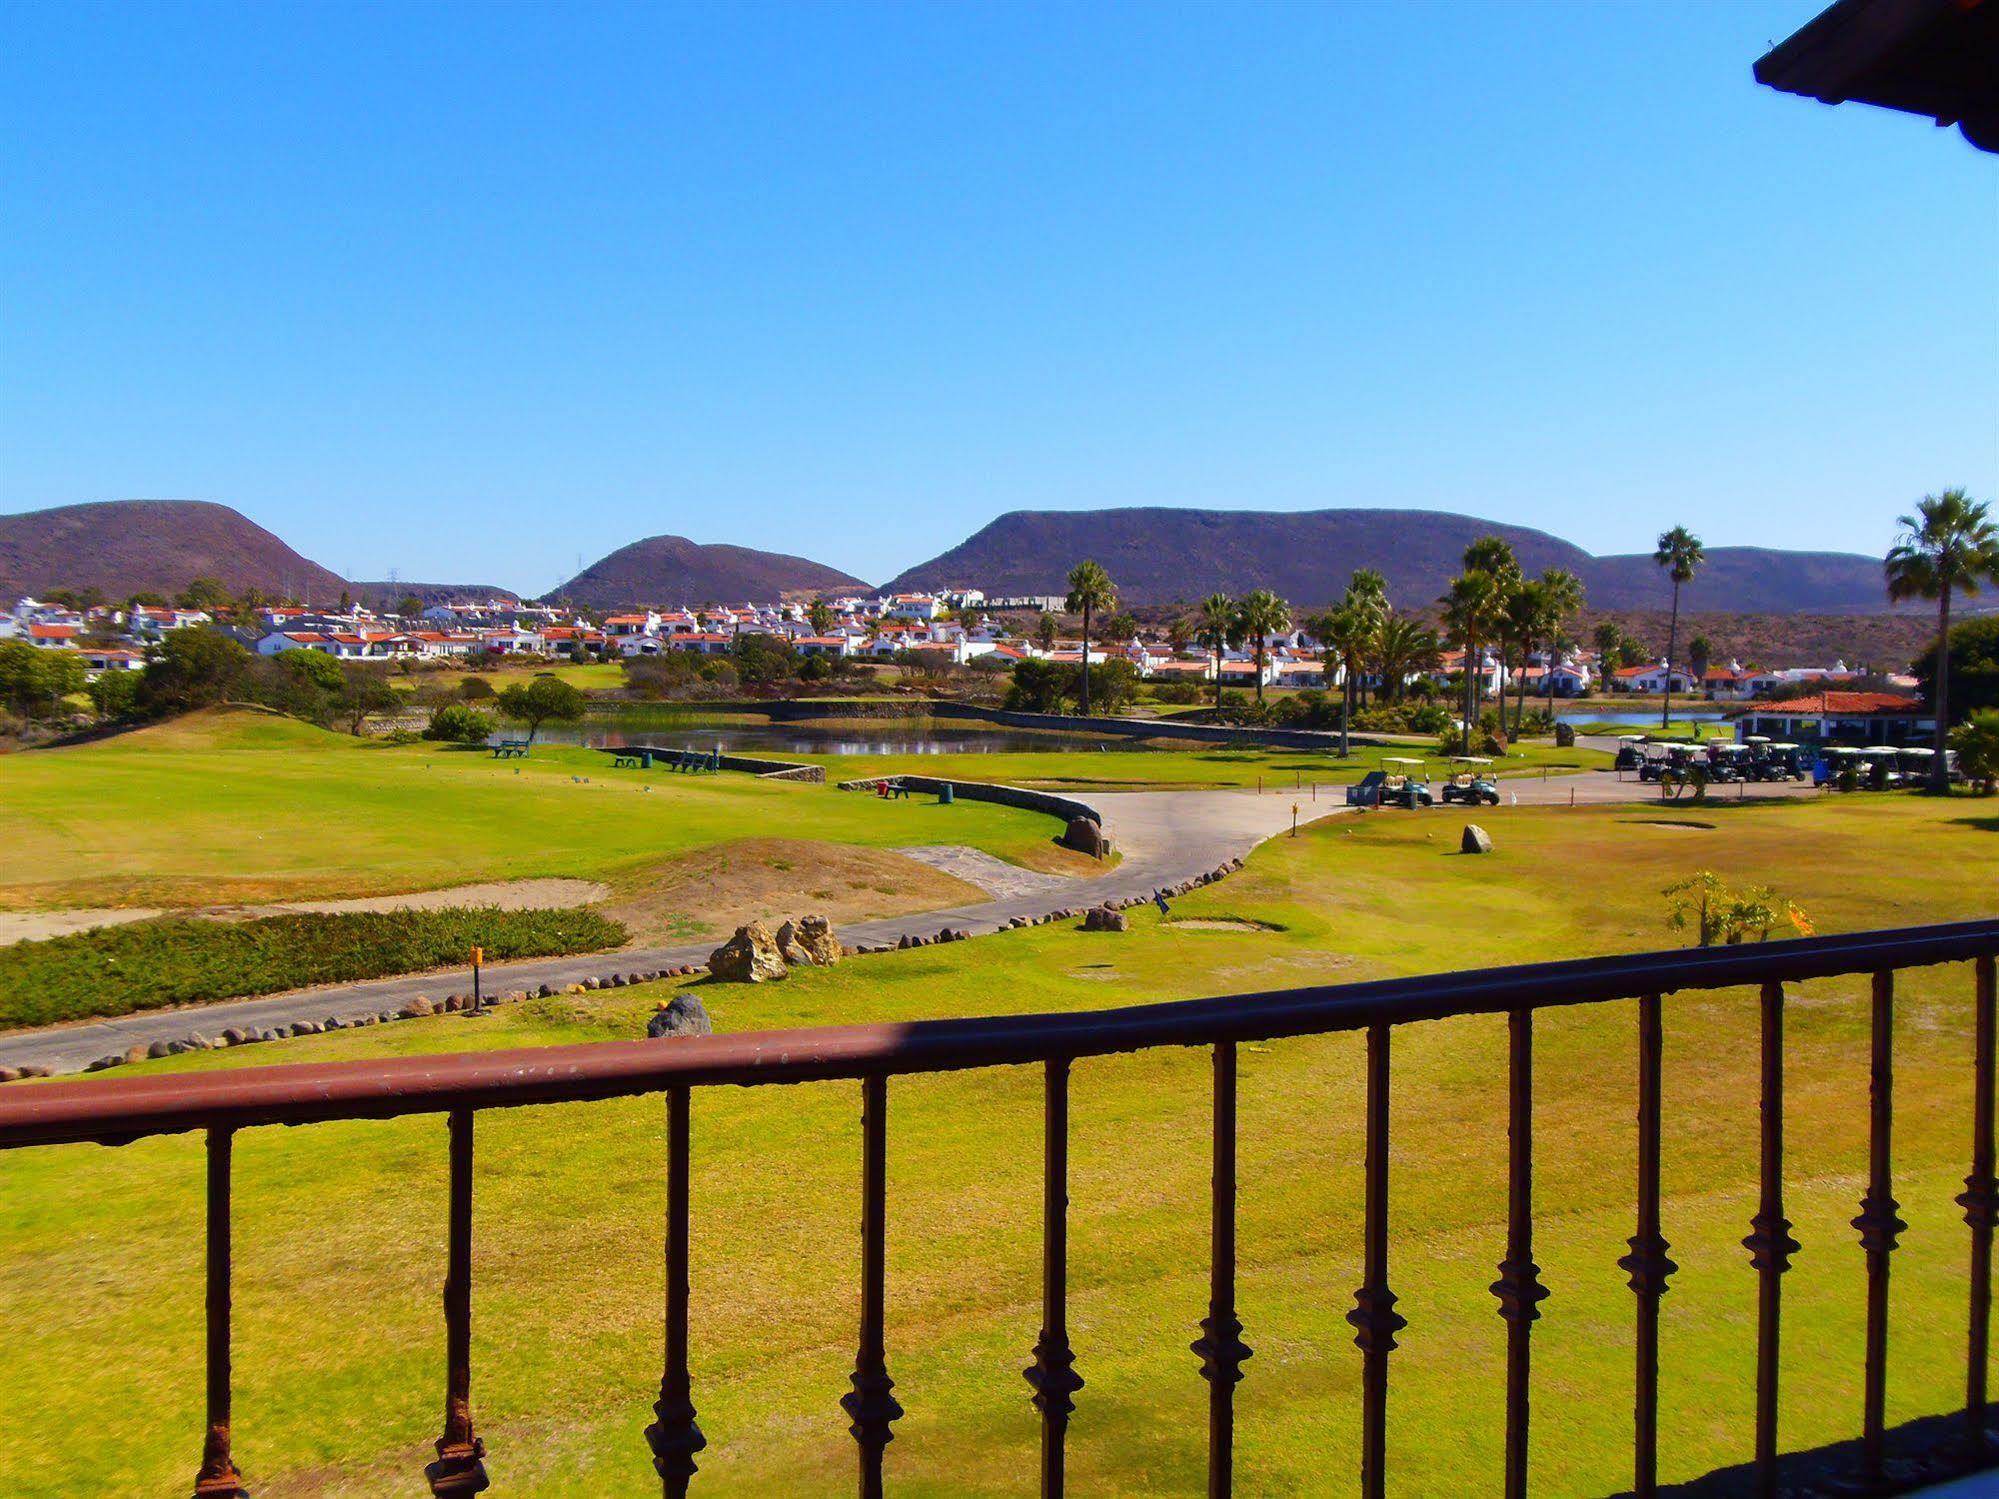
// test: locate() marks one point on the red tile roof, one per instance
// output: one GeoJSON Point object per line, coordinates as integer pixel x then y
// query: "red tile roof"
{"type": "Point", "coordinates": [1845, 702]}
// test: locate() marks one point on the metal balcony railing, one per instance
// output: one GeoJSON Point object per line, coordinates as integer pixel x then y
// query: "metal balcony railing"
{"type": "Point", "coordinates": [117, 1111]}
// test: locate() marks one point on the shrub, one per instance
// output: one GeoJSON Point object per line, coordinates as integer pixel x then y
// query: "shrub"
{"type": "Point", "coordinates": [455, 723]}
{"type": "Point", "coordinates": [1976, 741]}
{"type": "Point", "coordinates": [475, 689]}
{"type": "Point", "coordinates": [146, 964]}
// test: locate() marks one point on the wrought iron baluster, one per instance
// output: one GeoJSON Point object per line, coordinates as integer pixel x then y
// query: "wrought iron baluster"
{"type": "Point", "coordinates": [1878, 1225]}
{"type": "Point", "coordinates": [218, 1478]}
{"type": "Point", "coordinates": [869, 1405]}
{"type": "Point", "coordinates": [1647, 1264]}
{"type": "Point", "coordinates": [1519, 1287]}
{"type": "Point", "coordinates": [460, 1468]}
{"type": "Point", "coordinates": [674, 1437]}
{"type": "Point", "coordinates": [1980, 1201]}
{"type": "Point", "coordinates": [1053, 1373]}
{"type": "Point", "coordinates": [1770, 1244]}
{"type": "Point", "coordinates": [1374, 1318]}
{"type": "Point", "coordinates": [1220, 1346]}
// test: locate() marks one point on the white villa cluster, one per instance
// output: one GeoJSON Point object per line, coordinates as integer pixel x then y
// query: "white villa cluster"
{"type": "Point", "coordinates": [887, 628]}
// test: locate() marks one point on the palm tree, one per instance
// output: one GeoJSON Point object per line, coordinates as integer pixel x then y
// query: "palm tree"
{"type": "Point", "coordinates": [1949, 546]}
{"type": "Point", "coordinates": [821, 617]}
{"type": "Point", "coordinates": [1260, 615]}
{"type": "Point", "coordinates": [1471, 612]}
{"type": "Point", "coordinates": [1217, 632]}
{"type": "Point", "coordinates": [1401, 646]}
{"type": "Point", "coordinates": [1562, 592]}
{"type": "Point", "coordinates": [1700, 656]}
{"type": "Point", "coordinates": [1522, 622]}
{"type": "Point", "coordinates": [1681, 554]}
{"type": "Point", "coordinates": [1367, 595]}
{"type": "Point", "coordinates": [1090, 592]}
{"type": "Point", "coordinates": [1346, 634]}
{"type": "Point", "coordinates": [1483, 609]}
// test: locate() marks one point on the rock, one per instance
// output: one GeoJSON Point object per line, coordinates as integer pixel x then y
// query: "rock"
{"type": "Point", "coordinates": [591, 984]}
{"type": "Point", "coordinates": [421, 1005]}
{"type": "Point", "coordinates": [36, 1069]}
{"type": "Point", "coordinates": [307, 1028]}
{"type": "Point", "coordinates": [546, 991]}
{"type": "Point", "coordinates": [387, 1015]}
{"type": "Point", "coordinates": [1475, 841]}
{"type": "Point", "coordinates": [1086, 836]}
{"type": "Point", "coordinates": [810, 940]}
{"type": "Point", "coordinates": [10, 1074]}
{"type": "Point", "coordinates": [749, 957]}
{"type": "Point", "coordinates": [103, 1062]}
{"type": "Point", "coordinates": [140, 1053]}
{"type": "Point", "coordinates": [683, 1015]}
{"type": "Point", "coordinates": [575, 989]}
{"type": "Point", "coordinates": [902, 941]}
{"type": "Point", "coordinates": [1104, 919]}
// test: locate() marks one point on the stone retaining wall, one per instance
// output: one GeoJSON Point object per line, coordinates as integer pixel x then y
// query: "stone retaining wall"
{"type": "Point", "coordinates": [1067, 808]}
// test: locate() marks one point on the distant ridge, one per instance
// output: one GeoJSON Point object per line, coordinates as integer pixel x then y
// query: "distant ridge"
{"type": "Point", "coordinates": [123, 547]}
{"type": "Point", "coordinates": [1159, 555]}
{"type": "Point", "coordinates": [385, 594]}
{"type": "Point", "coordinates": [673, 571]}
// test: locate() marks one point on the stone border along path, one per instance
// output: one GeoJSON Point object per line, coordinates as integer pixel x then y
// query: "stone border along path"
{"type": "Point", "coordinates": [1171, 841]}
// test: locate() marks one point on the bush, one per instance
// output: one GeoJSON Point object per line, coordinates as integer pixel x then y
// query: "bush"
{"type": "Point", "coordinates": [1041, 687]}
{"type": "Point", "coordinates": [475, 689]}
{"type": "Point", "coordinates": [147, 964]}
{"type": "Point", "coordinates": [1976, 741]}
{"type": "Point", "coordinates": [1177, 692]}
{"type": "Point", "coordinates": [455, 723]}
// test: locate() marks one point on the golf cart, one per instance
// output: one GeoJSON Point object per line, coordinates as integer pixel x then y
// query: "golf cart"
{"type": "Point", "coordinates": [1880, 769]}
{"type": "Point", "coordinates": [1914, 761]}
{"type": "Point", "coordinates": [1662, 760]}
{"type": "Point", "coordinates": [1727, 763]}
{"type": "Point", "coordinates": [1394, 785]}
{"type": "Point", "coordinates": [1469, 783]}
{"type": "Point", "coordinates": [1776, 761]}
{"type": "Point", "coordinates": [1630, 752]}
{"type": "Point", "coordinates": [1839, 767]}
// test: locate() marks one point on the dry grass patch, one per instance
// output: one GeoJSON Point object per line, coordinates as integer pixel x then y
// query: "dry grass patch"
{"type": "Point", "coordinates": [711, 891]}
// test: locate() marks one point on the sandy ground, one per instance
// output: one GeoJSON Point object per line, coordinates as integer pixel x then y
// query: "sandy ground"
{"type": "Point", "coordinates": [510, 895]}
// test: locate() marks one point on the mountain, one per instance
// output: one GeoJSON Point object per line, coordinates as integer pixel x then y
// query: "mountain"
{"type": "Point", "coordinates": [122, 547]}
{"type": "Point", "coordinates": [386, 595]}
{"type": "Point", "coordinates": [673, 571]}
{"type": "Point", "coordinates": [1159, 555]}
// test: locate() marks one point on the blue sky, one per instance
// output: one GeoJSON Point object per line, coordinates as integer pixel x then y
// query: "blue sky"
{"type": "Point", "coordinates": [472, 290]}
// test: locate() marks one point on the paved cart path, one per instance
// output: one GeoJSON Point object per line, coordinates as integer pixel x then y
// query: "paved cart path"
{"type": "Point", "coordinates": [1165, 837]}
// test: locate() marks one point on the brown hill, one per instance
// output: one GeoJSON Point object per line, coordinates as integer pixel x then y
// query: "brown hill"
{"type": "Point", "coordinates": [122, 547]}
{"type": "Point", "coordinates": [382, 594]}
{"type": "Point", "coordinates": [674, 572]}
{"type": "Point", "coordinates": [1158, 555]}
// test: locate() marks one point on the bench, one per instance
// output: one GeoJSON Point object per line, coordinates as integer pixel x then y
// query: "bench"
{"type": "Point", "coordinates": [511, 749]}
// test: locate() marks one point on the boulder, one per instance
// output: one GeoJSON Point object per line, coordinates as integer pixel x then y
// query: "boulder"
{"type": "Point", "coordinates": [1105, 919]}
{"type": "Point", "coordinates": [1086, 836]}
{"type": "Point", "coordinates": [809, 940]}
{"type": "Point", "coordinates": [421, 1005]}
{"type": "Point", "coordinates": [749, 957]}
{"type": "Point", "coordinates": [1476, 840]}
{"type": "Point", "coordinates": [1565, 736]}
{"type": "Point", "coordinates": [140, 1053]}
{"type": "Point", "coordinates": [10, 1074]}
{"type": "Point", "coordinates": [683, 1015]}
{"type": "Point", "coordinates": [36, 1069]}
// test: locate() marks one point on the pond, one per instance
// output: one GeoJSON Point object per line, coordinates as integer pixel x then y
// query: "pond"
{"type": "Point", "coordinates": [1639, 718]}
{"type": "Point", "coordinates": [889, 737]}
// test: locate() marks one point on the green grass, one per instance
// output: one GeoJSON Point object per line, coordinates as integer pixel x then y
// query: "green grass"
{"type": "Point", "coordinates": [338, 1355]}
{"type": "Point", "coordinates": [1185, 766]}
{"type": "Point", "coordinates": [242, 807]}
{"type": "Point", "coordinates": [144, 965]}
{"type": "Point", "coordinates": [1679, 729]}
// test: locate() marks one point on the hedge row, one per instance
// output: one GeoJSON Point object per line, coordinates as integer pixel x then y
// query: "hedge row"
{"type": "Point", "coordinates": [147, 964]}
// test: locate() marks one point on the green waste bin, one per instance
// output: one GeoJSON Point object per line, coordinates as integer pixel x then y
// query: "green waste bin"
{"type": "Point", "coordinates": [945, 795]}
